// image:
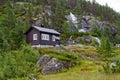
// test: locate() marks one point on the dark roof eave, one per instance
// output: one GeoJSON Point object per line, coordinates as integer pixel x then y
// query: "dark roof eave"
{"type": "Point", "coordinates": [40, 31]}
{"type": "Point", "coordinates": [52, 31]}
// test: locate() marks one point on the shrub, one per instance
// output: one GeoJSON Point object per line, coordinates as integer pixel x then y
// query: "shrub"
{"type": "Point", "coordinates": [19, 63]}
{"type": "Point", "coordinates": [106, 47]}
{"type": "Point", "coordinates": [109, 68]}
{"type": "Point", "coordinates": [106, 68]}
{"type": "Point", "coordinates": [116, 68]}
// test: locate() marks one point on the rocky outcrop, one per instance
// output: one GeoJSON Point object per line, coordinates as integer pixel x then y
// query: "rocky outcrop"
{"type": "Point", "coordinates": [43, 61]}
{"type": "Point", "coordinates": [53, 66]}
{"type": "Point", "coordinates": [50, 65]}
{"type": "Point", "coordinates": [82, 23]}
{"type": "Point", "coordinates": [90, 40]}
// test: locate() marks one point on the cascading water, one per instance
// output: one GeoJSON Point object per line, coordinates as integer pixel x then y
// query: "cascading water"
{"type": "Point", "coordinates": [72, 21]}
{"type": "Point", "coordinates": [73, 18]}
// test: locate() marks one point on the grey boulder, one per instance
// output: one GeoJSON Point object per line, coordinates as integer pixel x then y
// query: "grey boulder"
{"type": "Point", "coordinates": [53, 66]}
{"type": "Point", "coordinates": [43, 61]}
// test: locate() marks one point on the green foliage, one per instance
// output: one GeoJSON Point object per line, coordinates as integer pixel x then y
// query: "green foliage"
{"type": "Point", "coordinates": [12, 27]}
{"type": "Point", "coordinates": [95, 31]}
{"type": "Point", "coordinates": [65, 36]}
{"type": "Point", "coordinates": [107, 68]}
{"type": "Point", "coordinates": [118, 39]}
{"type": "Point", "coordinates": [17, 60]}
{"type": "Point", "coordinates": [116, 69]}
{"type": "Point", "coordinates": [15, 64]}
{"type": "Point", "coordinates": [65, 27]}
{"type": "Point", "coordinates": [60, 57]}
{"type": "Point", "coordinates": [16, 17]}
{"type": "Point", "coordinates": [106, 47]}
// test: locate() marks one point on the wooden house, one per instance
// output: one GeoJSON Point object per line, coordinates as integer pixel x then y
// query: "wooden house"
{"type": "Point", "coordinates": [42, 37]}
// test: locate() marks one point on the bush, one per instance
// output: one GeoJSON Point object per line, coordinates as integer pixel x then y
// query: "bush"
{"type": "Point", "coordinates": [109, 68]}
{"type": "Point", "coordinates": [106, 68]}
{"type": "Point", "coordinates": [19, 63]}
{"type": "Point", "coordinates": [106, 47]}
{"type": "Point", "coordinates": [116, 69]}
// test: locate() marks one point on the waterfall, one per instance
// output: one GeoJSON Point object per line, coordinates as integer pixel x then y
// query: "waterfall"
{"type": "Point", "coordinates": [73, 18]}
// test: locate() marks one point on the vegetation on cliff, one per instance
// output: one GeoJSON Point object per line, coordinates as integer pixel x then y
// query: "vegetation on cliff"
{"type": "Point", "coordinates": [18, 60]}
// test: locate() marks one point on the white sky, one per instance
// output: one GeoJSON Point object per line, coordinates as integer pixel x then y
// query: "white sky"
{"type": "Point", "coordinates": [115, 4]}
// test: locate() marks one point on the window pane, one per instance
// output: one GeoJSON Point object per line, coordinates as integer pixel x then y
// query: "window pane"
{"type": "Point", "coordinates": [44, 36]}
{"type": "Point", "coordinates": [53, 38]}
{"type": "Point", "coordinates": [34, 36]}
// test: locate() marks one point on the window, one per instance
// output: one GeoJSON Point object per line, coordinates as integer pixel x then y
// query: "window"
{"type": "Point", "coordinates": [53, 38]}
{"type": "Point", "coordinates": [44, 36]}
{"type": "Point", "coordinates": [34, 36]}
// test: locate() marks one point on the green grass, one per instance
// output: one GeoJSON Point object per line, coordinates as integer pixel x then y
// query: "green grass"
{"type": "Point", "coordinates": [78, 75]}
{"type": "Point", "coordinates": [87, 71]}
{"type": "Point", "coordinates": [61, 55]}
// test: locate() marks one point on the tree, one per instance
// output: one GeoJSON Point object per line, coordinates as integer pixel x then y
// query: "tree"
{"type": "Point", "coordinates": [106, 47]}
{"type": "Point", "coordinates": [95, 31]}
{"type": "Point", "coordinates": [58, 16]}
{"type": "Point", "coordinates": [12, 28]}
{"type": "Point", "coordinates": [78, 8]}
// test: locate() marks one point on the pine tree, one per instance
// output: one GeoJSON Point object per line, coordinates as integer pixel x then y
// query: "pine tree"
{"type": "Point", "coordinates": [106, 48]}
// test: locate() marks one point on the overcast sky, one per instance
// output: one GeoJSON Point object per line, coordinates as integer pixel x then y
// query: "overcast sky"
{"type": "Point", "coordinates": [115, 4]}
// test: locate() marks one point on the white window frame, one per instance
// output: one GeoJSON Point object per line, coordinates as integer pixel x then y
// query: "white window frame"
{"type": "Point", "coordinates": [53, 38]}
{"type": "Point", "coordinates": [45, 37]}
{"type": "Point", "coordinates": [35, 37]}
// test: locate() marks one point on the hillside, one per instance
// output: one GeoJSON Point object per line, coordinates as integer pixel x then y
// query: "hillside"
{"type": "Point", "coordinates": [89, 35]}
{"type": "Point", "coordinates": [17, 16]}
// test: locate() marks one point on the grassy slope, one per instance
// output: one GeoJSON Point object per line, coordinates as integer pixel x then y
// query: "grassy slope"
{"type": "Point", "coordinates": [78, 75]}
{"type": "Point", "coordinates": [88, 70]}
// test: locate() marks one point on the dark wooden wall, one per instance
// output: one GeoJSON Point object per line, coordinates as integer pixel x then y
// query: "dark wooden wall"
{"type": "Point", "coordinates": [29, 37]}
